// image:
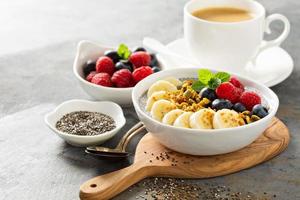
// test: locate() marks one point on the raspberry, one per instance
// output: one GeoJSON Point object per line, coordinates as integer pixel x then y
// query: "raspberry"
{"type": "Point", "coordinates": [141, 73]}
{"type": "Point", "coordinates": [250, 99]}
{"type": "Point", "coordinates": [140, 58]}
{"type": "Point", "coordinates": [228, 91]}
{"type": "Point", "coordinates": [239, 91]}
{"type": "Point", "coordinates": [105, 64]}
{"type": "Point", "coordinates": [122, 78]}
{"type": "Point", "coordinates": [90, 76]}
{"type": "Point", "coordinates": [234, 81]}
{"type": "Point", "coordinates": [102, 79]}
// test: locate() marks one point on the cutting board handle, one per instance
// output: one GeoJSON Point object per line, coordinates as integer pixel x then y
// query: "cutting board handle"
{"type": "Point", "coordinates": [109, 185]}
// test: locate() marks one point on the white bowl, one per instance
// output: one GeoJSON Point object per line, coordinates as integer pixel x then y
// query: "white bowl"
{"type": "Point", "coordinates": [105, 107]}
{"type": "Point", "coordinates": [203, 142]}
{"type": "Point", "coordinates": [90, 51]}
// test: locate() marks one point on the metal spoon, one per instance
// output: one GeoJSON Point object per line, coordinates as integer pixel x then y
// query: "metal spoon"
{"type": "Point", "coordinates": [120, 150]}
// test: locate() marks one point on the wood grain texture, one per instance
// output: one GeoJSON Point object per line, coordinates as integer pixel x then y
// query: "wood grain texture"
{"type": "Point", "coordinates": [273, 141]}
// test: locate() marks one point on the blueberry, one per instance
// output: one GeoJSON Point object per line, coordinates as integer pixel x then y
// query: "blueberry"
{"type": "Point", "coordinates": [219, 104]}
{"type": "Point", "coordinates": [208, 93]}
{"type": "Point", "coordinates": [139, 49]}
{"type": "Point", "coordinates": [238, 107]}
{"type": "Point", "coordinates": [89, 67]}
{"type": "Point", "coordinates": [123, 65]}
{"type": "Point", "coordinates": [155, 69]}
{"type": "Point", "coordinates": [154, 61]}
{"type": "Point", "coordinates": [259, 110]}
{"type": "Point", "coordinates": [113, 55]}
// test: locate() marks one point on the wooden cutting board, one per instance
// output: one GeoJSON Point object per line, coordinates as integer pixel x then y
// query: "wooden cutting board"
{"type": "Point", "coordinates": [153, 159]}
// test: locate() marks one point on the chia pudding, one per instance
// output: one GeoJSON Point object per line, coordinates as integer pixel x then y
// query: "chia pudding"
{"type": "Point", "coordinates": [216, 105]}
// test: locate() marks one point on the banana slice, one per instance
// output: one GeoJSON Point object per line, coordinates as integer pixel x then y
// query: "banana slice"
{"type": "Point", "coordinates": [161, 85]}
{"type": "Point", "coordinates": [155, 97]}
{"type": "Point", "coordinates": [171, 116]}
{"type": "Point", "coordinates": [183, 120]}
{"type": "Point", "coordinates": [226, 118]}
{"type": "Point", "coordinates": [202, 119]}
{"type": "Point", "coordinates": [160, 108]}
{"type": "Point", "coordinates": [174, 81]}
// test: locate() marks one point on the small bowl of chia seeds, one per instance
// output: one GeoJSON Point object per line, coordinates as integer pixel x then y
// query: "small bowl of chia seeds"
{"type": "Point", "coordinates": [83, 123]}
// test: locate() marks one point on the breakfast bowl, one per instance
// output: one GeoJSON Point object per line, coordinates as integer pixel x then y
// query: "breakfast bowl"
{"type": "Point", "coordinates": [89, 52]}
{"type": "Point", "coordinates": [203, 141]}
{"type": "Point", "coordinates": [108, 108]}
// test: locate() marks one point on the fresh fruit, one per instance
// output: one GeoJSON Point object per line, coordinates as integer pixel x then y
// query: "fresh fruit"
{"type": "Point", "coordinates": [160, 108]}
{"type": "Point", "coordinates": [122, 78]}
{"type": "Point", "coordinates": [228, 91]}
{"type": "Point", "coordinates": [250, 99]}
{"type": "Point", "coordinates": [259, 110]}
{"type": "Point", "coordinates": [173, 80]}
{"type": "Point", "coordinates": [139, 49]}
{"type": "Point", "coordinates": [160, 85]}
{"type": "Point", "coordinates": [155, 97]}
{"type": "Point", "coordinates": [208, 93]}
{"type": "Point", "coordinates": [89, 67]}
{"type": "Point", "coordinates": [123, 65]}
{"type": "Point", "coordinates": [141, 73]}
{"type": "Point", "coordinates": [202, 119]}
{"type": "Point", "coordinates": [239, 107]}
{"type": "Point", "coordinates": [102, 79]}
{"type": "Point", "coordinates": [171, 116]}
{"type": "Point", "coordinates": [183, 120]}
{"type": "Point", "coordinates": [105, 64]}
{"type": "Point", "coordinates": [140, 58]}
{"type": "Point", "coordinates": [219, 104]}
{"type": "Point", "coordinates": [238, 92]}
{"type": "Point", "coordinates": [154, 61]}
{"type": "Point", "coordinates": [226, 118]}
{"type": "Point", "coordinates": [112, 55]}
{"type": "Point", "coordinates": [155, 69]}
{"type": "Point", "coordinates": [120, 59]}
{"type": "Point", "coordinates": [207, 78]}
{"type": "Point", "coordinates": [234, 81]}
{"type": "Point", "coordinates": [90, 76]}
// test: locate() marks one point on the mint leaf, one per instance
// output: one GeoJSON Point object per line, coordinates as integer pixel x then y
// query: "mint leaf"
{"type": "Point", "coordinates": [214, 82]}
{"type": "Point", "coordinates": [123, 51]}
{"type": "Point", "coordinates": [198, 86]}
{"type": "Point", "coordinates": [209, 79]}
{"type": "Point", "coordinates": [205, 75]}
{"type": "Point", "coordinates": [223, 76]}
{"type": "Point", "coordinates": [127, 54]}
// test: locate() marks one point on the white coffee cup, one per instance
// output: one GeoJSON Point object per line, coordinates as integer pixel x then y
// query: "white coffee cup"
{"type": "Point", "coordinates": [229, 45]}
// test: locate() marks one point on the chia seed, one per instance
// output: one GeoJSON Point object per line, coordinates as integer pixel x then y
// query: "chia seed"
{"type": "Point", "coordinates": [85, 123]}
{"type": "Point", "coordinates": [178, 189]}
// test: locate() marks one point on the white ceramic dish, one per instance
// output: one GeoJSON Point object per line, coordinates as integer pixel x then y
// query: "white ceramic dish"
{"type": "Point", "coordinates": [203, 142]}
{"type": "Point", "coordinates": [87, 50]}
{"type": "Point", "coordinates": [273, 65]}
{"type": "Point", "coordinates": [105, 107]}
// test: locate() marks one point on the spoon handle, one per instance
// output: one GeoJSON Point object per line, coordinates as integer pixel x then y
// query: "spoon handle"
{"type": "Point", "coordinates": [129, 132]}
{"type": "Point", "coordinates": [130, 136]}
{"type": "Point", "coordinates": [159, 48]}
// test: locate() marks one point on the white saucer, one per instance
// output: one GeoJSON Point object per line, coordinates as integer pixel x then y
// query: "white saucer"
{"type": "Point", "coordinates": [272, 67]}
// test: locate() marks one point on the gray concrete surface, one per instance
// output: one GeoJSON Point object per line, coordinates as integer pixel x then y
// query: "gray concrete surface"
{"type": "Point", "coordinates": [38, 40]}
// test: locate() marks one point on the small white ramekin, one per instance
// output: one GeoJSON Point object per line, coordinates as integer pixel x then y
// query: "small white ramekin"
{"type": "Point", "coordinates": [109, 108]}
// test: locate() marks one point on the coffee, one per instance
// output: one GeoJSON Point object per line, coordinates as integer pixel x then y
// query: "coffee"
{"type": "Point", "coordinates": [223, 14]}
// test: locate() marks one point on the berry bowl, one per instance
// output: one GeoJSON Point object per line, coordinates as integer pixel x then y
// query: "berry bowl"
{"type": "Point", "coordinates": [202, 141]}
{"type": "Point", "coordinates": [108, 108]}
{"type": "Point", "coordinates": [108, 86]}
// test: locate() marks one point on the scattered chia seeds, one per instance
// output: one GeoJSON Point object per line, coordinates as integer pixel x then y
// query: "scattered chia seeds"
{"type": "Point", "coordinates": [179, 189]}
{"type": "Point", "coordinates": [85, 123]}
